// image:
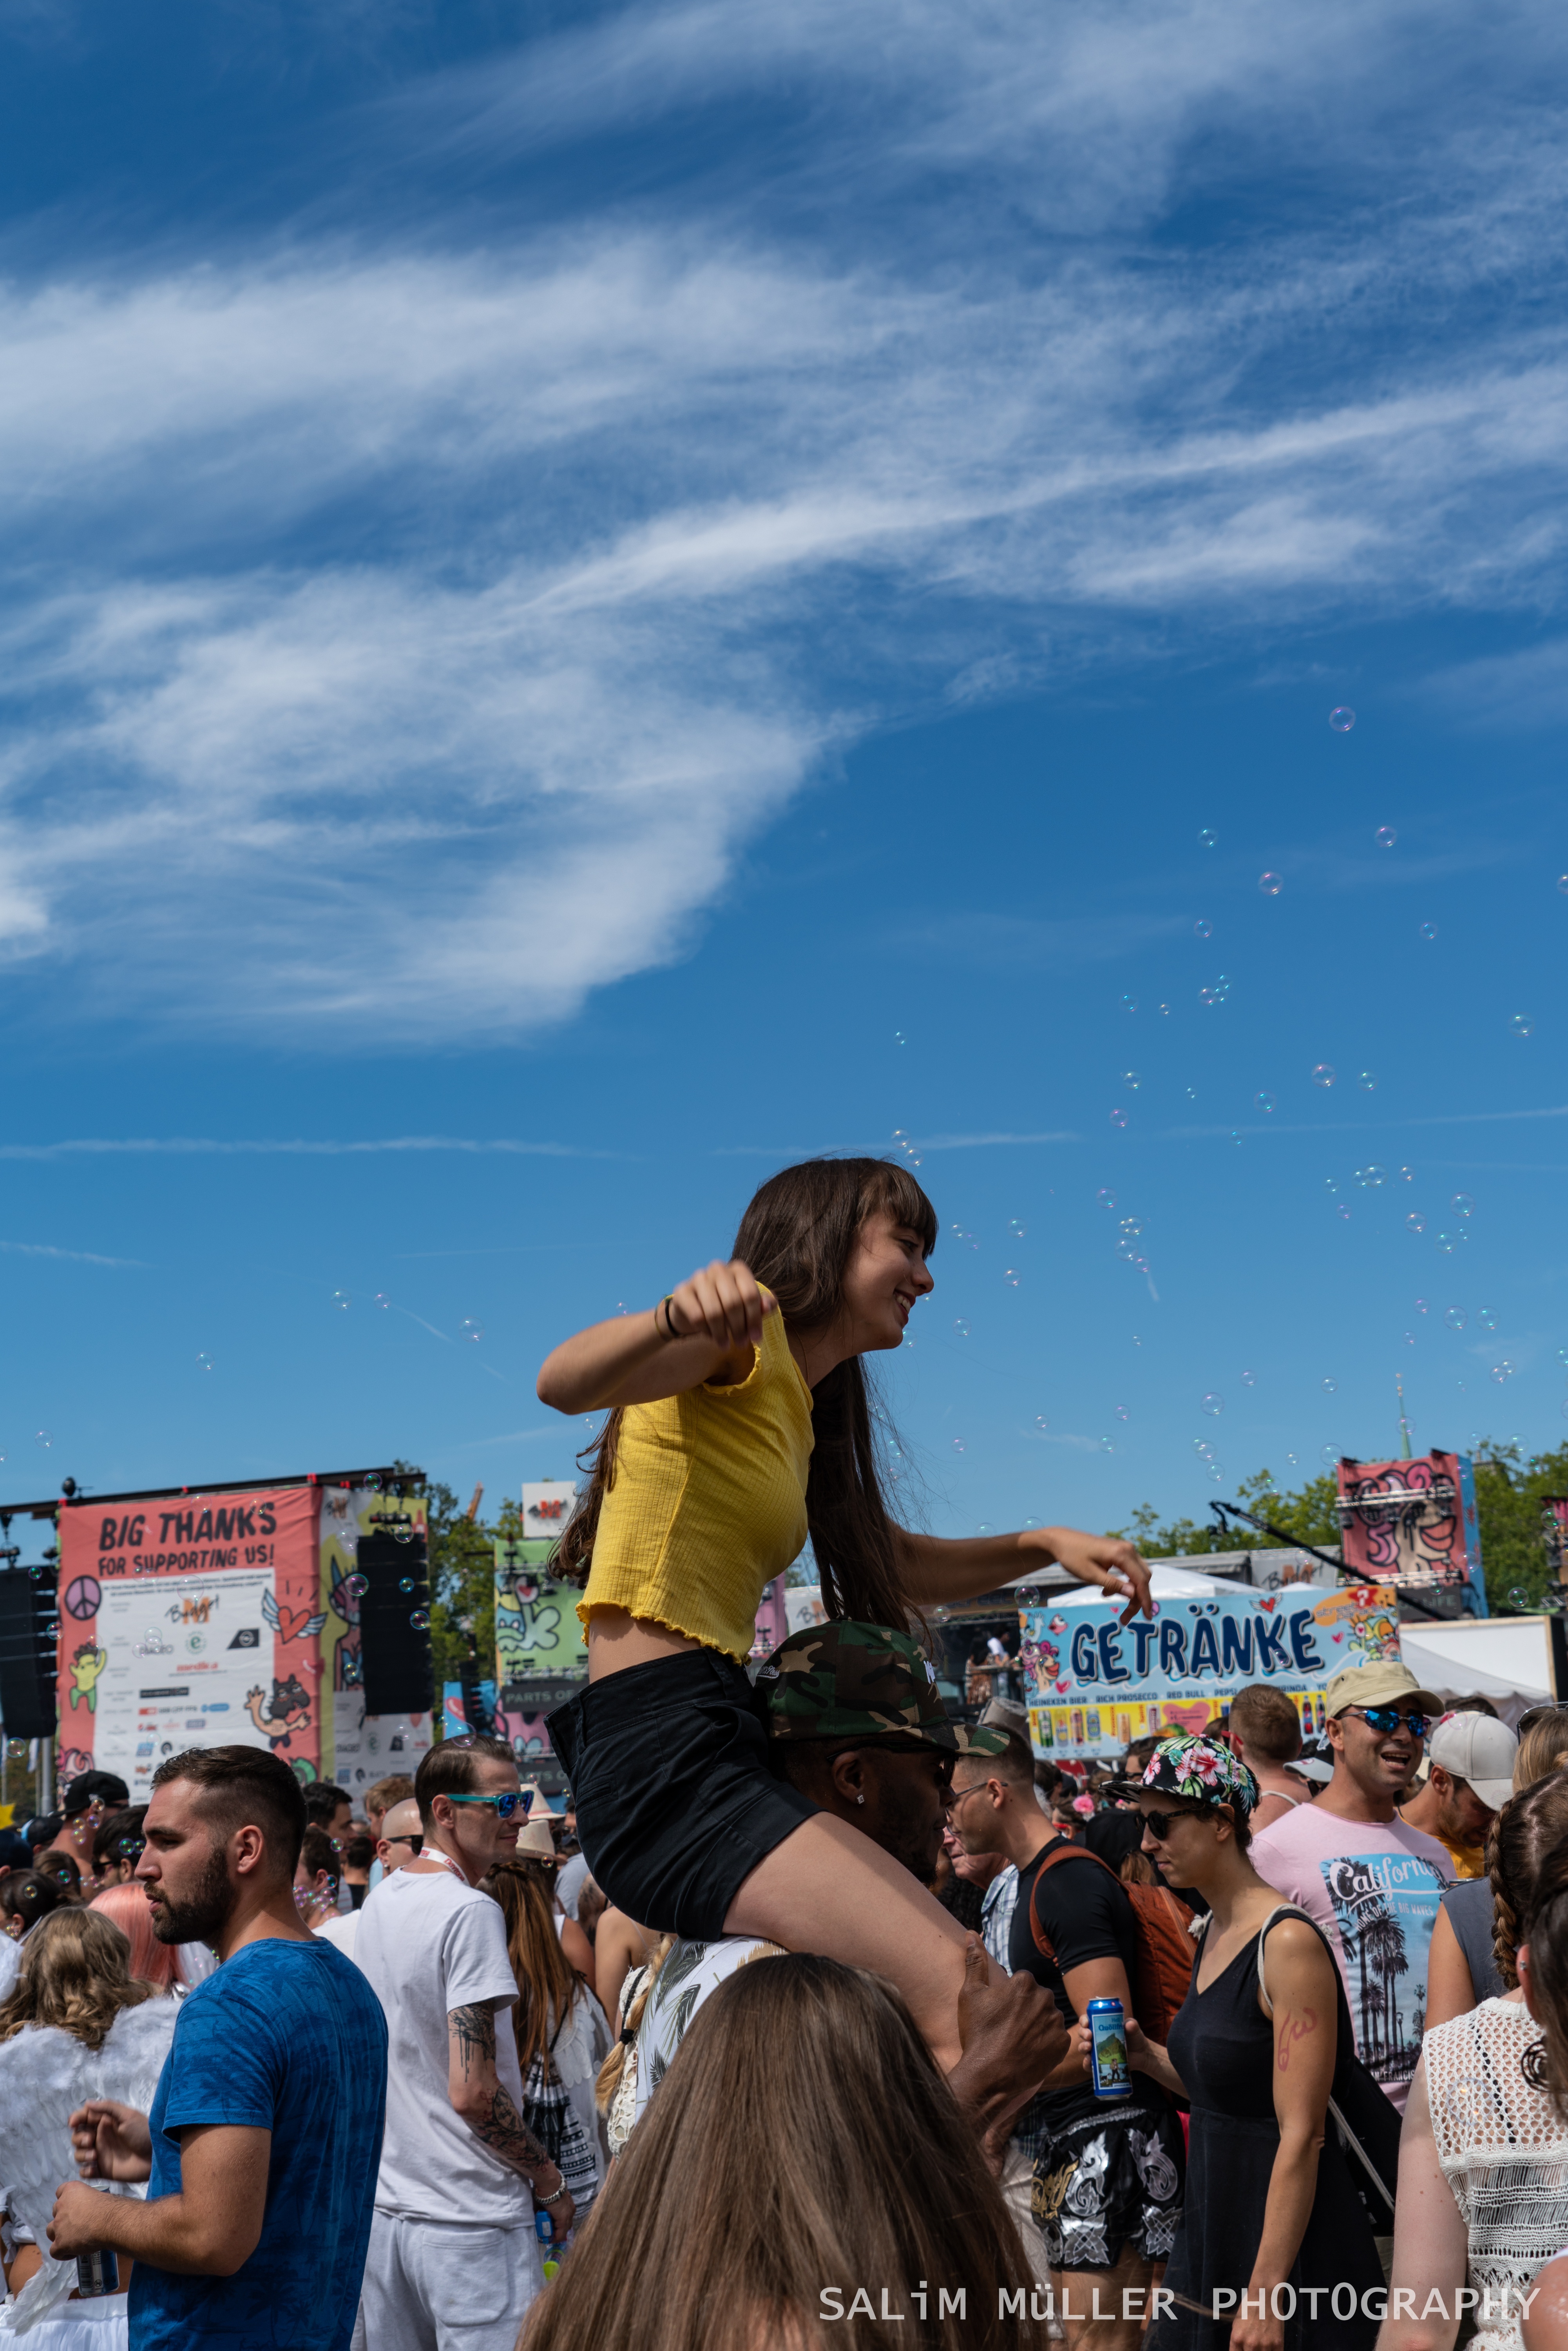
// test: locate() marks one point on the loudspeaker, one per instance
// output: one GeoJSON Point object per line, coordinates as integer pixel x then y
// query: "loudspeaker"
{"type": "Point", "coordinates": [395, 1666]}
{"type": "Point", "coordinates": [28, 1653]}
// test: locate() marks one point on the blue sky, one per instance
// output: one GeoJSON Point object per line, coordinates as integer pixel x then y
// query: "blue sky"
{"type": "Point", "coordinates": [565, 585]}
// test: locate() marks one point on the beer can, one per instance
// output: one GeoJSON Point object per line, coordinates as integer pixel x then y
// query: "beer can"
{"type": "Point", "coordinates": [96, 2274]}
{"type": "Point", "coordinates": [1108, 2049]}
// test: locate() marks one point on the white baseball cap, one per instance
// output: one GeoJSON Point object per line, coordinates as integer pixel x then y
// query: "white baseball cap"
{"type": "Point", "coordinates": [1478, 1750]}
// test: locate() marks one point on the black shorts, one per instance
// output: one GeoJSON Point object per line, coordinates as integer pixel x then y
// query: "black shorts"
{"type": "Point", "coordinates": [675, 1804]}
{"type": "Point", "coordinates": [1107, 2179]}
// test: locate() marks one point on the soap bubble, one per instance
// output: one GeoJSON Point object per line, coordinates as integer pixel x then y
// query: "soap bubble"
{"type": "Point", "coordinates": [1118, 1118]}
{"type": "Point", "coordinates": [1522, 1024]}
{"type": "Point", "coordinates": [1415, 1222]}
{"type": "Point", "coordinates": [1456, 1317]}
{"type": "Point", "coordinates": [1015, 1228]}
{"type": "Point", "coordinates": [1010, 1278]}
{"type": "Point", "coordinates": [1206, 839]}
{"type": "Point", "coordinates": [356, 1586]}
{"type": "Point", "coordinates": [1213, 1404]}
{"type": "Point", "coordinates": [1122, 1413]}
{"type": "Point", "coordinates": [1129, 1003]}
{"type": "Point", "coordinates": [340, 1301]}
{"type": "Point", "coordinates": [1446, 1244]}
{"type": "Point", "coordinates": [898, 1039]}
{"type": "Point", "coordinates": [1409, 1338]}
{"type": "Point", "coordinates": [1407, 1175]}
{"type": "Point", "coordinates": [1106, 1445]}
{"type": "Point", "coordinates": [1372, 1178]}
{"type": "Point", "coordinates": [1271, 885]}
{"type": "Point", "coordinates": [44, 1437]}
{"type": "Point", "coordinates": [1105, 1200]}
{"type": "Point", "coordinates": [1192, 1093]}
{"type": "Point", "coordinates": [203, 1363]}
{"type": "Point", "coordinates": [1163, 1007]}
{"type": "Point", "coordinates": [1040, 1421]}
{"type": "Point", "coordinates": [1132, 1225]}
{"type": "Point", "coordinates": [1487, 1317]}
{"type": "Point", "coordinates": [1131, 1080]}
{"type": "Point", "coordinates": [1342, 1212]}
{"type": "Point", "coordinates": [1202, 1447]}
{"type": "Point", "coordinates": [1501, 1372]}
{"type": "Point", "coordinates": [471, 1330]}
{"type": "Point", "coordinates": [1421, 1306]}
{"type": "Point", "coordinates": [420, 1617]}
{"type": "Point", "coordinates": [1428, 930]}
{"type": "Point", "coordinates": [1342, 720]}
{"type": "Point", "coordinates": [1562, 884]}
{"type": "Point", "coordinates": [1330, 1185]}
{"type": "Point", "coordinates": [959, 1445]}
{"type": "Point", "coordinates": [1461, 1203]}
{"type": "Point", "coordinates": [381, 1299]}
{"type": "Point", "coordinates": [1517, 1597]}
{"type": "Point", "coordinates": [1324, 1074]}
{"type": "Point", "coordinates": [1562, 1356]}
{"type": "Point", "coordinates": [1328, 1456]}
{"type": "Point", "coordinates": [1367, 1082]}
{"type": "Point", "coordinates": [1203, 928]}
{"type": "Point", "coordinates": [1385, 836]}
{"type": "Point", "coordinates": [961, 1327]}
{"type": "Point", "coordinates": [1248, 1379]}
{"type": "Point", "coordinates": [1264, 1103]}
{"type": "Point", "coordinates": [1330, 1387]}
{"type": "Point", "coordinates": [1236, 1136]}
{"type": "Point", "coordinates": [1291, 1460]}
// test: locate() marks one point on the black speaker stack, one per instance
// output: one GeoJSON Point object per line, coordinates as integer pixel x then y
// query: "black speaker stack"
{"type": "Point", "coordinates": [29, 1634]}
{"type": "Point", "coordinates": [395, 1666]}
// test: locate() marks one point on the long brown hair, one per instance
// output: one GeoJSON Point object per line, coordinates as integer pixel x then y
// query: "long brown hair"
{"type": "Point", "coordinates": [798, 1236]}
{"type": "Point", "coordinates": [1524, 1833]}
{"type": "Point", "coordinates": [546, 1982]}
{"type": "Point", "coordinates": [775, 2161]}
{"type": "Point", "coordinates": [75, 1973]}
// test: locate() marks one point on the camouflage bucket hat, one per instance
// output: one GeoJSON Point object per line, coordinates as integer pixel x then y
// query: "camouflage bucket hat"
{"type": "Point", "coordinates": [849, 1680]}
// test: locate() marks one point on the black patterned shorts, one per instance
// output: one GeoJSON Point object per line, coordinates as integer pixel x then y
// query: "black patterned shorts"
{"type": "Point", "coordinates": [1109, 2179]}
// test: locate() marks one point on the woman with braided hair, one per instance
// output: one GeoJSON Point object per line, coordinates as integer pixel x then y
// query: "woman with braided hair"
{"type": "Point", "coordinates": [1543, 1972]}
{"type": "Point", "coordinates": [1483, 2157]}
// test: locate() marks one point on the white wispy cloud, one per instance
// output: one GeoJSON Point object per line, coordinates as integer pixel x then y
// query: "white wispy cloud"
{"type": "Point", "coordinates": [180, 1146]}
{"type": "Point", "coordinates": [668, 503]}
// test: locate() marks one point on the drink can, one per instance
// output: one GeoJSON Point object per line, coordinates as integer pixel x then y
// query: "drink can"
{"type": "Point", "coordinates": [97, 2274]}
{"type": "Point", "coordinates": [1108, 2049]}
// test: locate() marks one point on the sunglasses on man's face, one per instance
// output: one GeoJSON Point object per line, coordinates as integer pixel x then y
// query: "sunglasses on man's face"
{"type": "Point", "coordinates": [503, 1805]}
{"type": "Point", "coordinates": [1387, 1720]}
{"type": "Point", "coordinates": [1159, 1824]}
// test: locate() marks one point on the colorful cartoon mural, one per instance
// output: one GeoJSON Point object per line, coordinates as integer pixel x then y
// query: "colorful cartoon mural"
{"type": "Point", "coordinates": [1414, 1522]}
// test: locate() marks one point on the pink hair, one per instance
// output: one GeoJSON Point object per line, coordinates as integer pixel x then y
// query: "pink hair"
{"type": "Point", "coordinates": [126, 1907]}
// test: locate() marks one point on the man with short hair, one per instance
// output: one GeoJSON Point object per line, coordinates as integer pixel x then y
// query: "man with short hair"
{"type": "Point", "coordinates": [395, 1848]}
{"type": "Point", "coordinates": [854, 1723]}
{"type": "Point", "coordinates": [1471, 1759]}
{"type": "Point", "coordinates": [262, 2142]}
{"type": "Point", "coordinates": [87, 1803]}
{"type": "Point", "coordinates": [1266, 1735]}
{"type": "Point", "coordinates": [329, 1807]}
{"type": "Point", "coordinates": [1108, 2182]}
{"type": "Point", "coordinates": [1368, 1879]}
{"type": "Point", "coordinates": [453, 2260]}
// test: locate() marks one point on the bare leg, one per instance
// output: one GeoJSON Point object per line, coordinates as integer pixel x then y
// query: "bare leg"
{"type": "Point", "coordinates": [1090, 2304]}
{"type": "Point", "coordinates": [828, 1889]}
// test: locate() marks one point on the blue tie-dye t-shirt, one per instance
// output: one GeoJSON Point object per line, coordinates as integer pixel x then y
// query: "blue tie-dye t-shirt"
{"type": "Point", "coordinates": [289, 2036]}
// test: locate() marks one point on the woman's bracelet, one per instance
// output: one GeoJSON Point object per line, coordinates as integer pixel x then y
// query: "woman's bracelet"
{"type": "Point", "coordinates": [669, 1331]}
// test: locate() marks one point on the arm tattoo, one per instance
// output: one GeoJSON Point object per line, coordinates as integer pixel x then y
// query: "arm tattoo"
{"type": "Point", "coordinates": [509, 2135]}
{"type": "Point", "coordinates": [1295, 2028]}
{"type": "Point", "coordinates": [473, 2030]}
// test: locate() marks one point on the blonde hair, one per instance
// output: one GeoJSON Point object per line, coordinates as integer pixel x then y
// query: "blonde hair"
{"type": "Point", "coordinates": [127, 1908]}
{"type": "Point", "coordinates": [1543, 1748]}
{"type": "Point", "coordinates": [777, 2157]}
{"type": "Point", "coordinates": [614, 2066]}
{"type": "Point", "coordinates": [76, 1975]}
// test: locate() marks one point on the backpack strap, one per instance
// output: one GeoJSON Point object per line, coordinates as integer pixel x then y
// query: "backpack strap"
{"type": "Point", "coordinates": [1294, 1910]}
{"type": "Point", "coordinates": [1064, 1851]}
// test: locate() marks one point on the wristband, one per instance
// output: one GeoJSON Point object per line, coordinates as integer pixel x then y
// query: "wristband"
{"type": "Point", "coordinates": [559, 2192]}
{"type": "Point", "coordinates": [669, 1331]}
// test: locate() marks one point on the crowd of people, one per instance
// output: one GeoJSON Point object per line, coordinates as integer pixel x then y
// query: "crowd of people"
{"type": "Point", "coordinates": [822, 2015]}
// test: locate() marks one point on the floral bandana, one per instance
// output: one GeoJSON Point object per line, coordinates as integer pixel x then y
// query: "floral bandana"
{"type": "Point", "coordinates": [1201, 1770]}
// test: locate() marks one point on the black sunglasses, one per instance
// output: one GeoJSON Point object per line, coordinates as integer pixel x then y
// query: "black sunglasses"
{"type": "Point", "coordinates": [1160, 1822]}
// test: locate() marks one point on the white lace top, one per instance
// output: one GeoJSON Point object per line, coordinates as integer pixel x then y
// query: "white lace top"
{"type": "Point", "coordinates": [1503, 2153]}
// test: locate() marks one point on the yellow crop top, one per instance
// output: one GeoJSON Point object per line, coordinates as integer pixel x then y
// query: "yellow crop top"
{"type": "Point", "coordinates": [708, 1503]}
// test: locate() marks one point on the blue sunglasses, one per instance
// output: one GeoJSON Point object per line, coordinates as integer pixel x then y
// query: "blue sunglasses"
{"type": "Point", "coordinates": [503, 1805]}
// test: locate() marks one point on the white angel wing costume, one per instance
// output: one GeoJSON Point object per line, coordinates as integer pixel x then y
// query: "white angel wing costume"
{"type": "Point", "coordinates": [44, 2074]}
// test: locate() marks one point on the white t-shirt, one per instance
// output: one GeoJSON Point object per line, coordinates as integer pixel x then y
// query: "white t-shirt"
{"type": "Point", "coordinates": [430, 1944]}
{"type": "Point", "coordinates": [341, 1931]}
{"type": "Point", "coordinates": [690, 1973]}
{"type": "Point", "coordinates": [1374, 1888]}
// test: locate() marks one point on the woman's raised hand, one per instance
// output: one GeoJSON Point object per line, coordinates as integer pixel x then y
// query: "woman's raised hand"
{"type": "Point", "coordinates": [1115, 1565]}
{"type": "Point", "coordinates": [720, 1302]}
